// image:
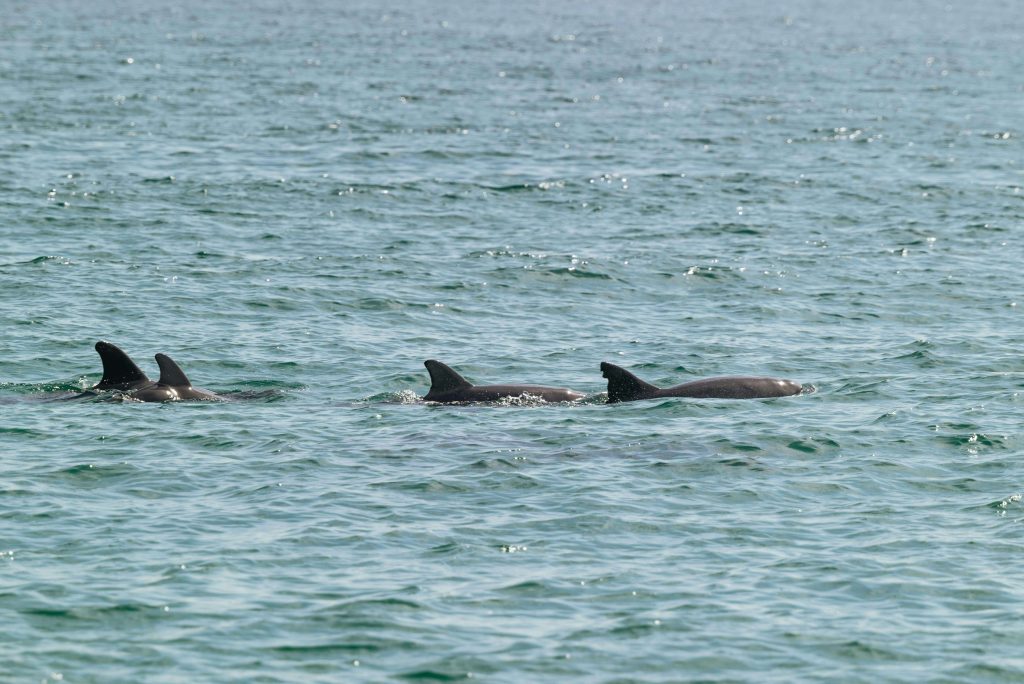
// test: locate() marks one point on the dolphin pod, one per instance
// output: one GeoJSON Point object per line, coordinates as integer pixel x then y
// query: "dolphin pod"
{"type": "Point", "coordinates": [447, 386]}
{"type": "Point", "coordinates": [120, 373]}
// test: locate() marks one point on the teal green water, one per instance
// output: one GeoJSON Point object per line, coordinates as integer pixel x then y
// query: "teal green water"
{"type": "Point", "coordinates": [302, 201]}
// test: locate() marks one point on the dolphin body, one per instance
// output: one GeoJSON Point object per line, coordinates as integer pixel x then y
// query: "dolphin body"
{"type": "Point", "coordinates": [120, 373]}
{"type": "Point", "coordinates": [624, 386]}
{"type": "Point", "coordinates": [173, 385]}
{"type": "Point", "coordinates": [447, 386]}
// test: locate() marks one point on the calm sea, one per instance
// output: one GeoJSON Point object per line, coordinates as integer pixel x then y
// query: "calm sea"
{"type": "Point", "coordinates": [302, 201]}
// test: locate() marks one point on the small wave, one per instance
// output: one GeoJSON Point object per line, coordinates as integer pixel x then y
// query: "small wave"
{"type": "Point", "coordinates": [718, 228]}
{"type": "Point", "coordinates": [59, 260]}
{"type": "Point", "coordinates": [997, 135]}
{"type": "Point", "coordinates": [446, 549]}
{"type": "Point", "coordinates": [574, 272]}
{"type": "Point", "coordinates": [264, 395]}
{"type": "Point", "coordinates": [515, 187]}
{"type": "Point", "coordinates": [506, 253]}
{"type": "Point", "coordinates": [709, 272]}
{"type": "Point", "coordinates": [855, 387]}
{"type": "Point", "coordinates": [968, 437]}
{"type": "Point", "coordinates": [813, 445]}
{"type": "Point", "coordinates": [99, 613]}
{"type": "Point", "coordinates": [91, 474]}
{"type": "Point", "coordinates": [24, 432]}
{"type": "Point", "coordinates": [381, 304]}
{"type": "Point", "coordinates": [921, 358]}
{"type": "Point", "coordinates": [405, 396]}
{"type": "Point", "coordinates": [431, 675]}
{"type": "Point", "coordinates": [431, 486]}
{"type": "Point", "coordinates": [728, 444]}
{"type": "Point", "coordinates": [47, 391]}
{"type": "Point", "coordinates": [529, 587]}
{"type": "Point", "coordinates": [1011, 501]}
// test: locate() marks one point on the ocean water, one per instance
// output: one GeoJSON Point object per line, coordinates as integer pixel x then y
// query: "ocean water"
{"type": "Point", "coordinates": [302, 201]}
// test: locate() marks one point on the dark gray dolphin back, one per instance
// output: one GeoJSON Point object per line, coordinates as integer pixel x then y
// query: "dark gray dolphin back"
{"type": "Point", "coordinates": [623, 385]}
{"type": "Point", "coordinates": [119, 371]}
{"type": "Point", "coordinates": [170, 373]}
{"type": "Point", "coordinates": [173, 385]}
{"type": "Point", "coordinates": [443, 379]}
{"type": "Point", "coordinates": [447, 386]}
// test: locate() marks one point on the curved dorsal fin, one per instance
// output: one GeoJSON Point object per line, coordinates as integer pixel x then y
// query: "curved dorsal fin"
{"type": "Point", "coordinates": [623, 385]}
{"type": "Point", "coordinates": [443, 378]}
{"type": "Point", "coordinates": [170, 373]}
{"type": "Point", "coordinates": [118, 369]}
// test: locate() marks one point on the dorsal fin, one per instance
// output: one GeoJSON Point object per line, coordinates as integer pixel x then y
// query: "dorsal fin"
{"type": "Point", "coordinates": [443, 379]}
{"type": "Point", "coordinates": [170, 373]}
{"type": "Point", "coordinates": [623, 385]}
{"type": "Point", "coordinates": [118, 369]}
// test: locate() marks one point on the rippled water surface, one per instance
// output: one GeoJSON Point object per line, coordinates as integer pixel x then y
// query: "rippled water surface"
{"type": "Point", "coordinates": [300, 202]}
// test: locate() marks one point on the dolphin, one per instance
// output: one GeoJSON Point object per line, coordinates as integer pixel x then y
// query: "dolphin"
{"type": "Point", "coordinates": [119, 371]}
{"type": "Point", "coordinates": [447, 386]}
{"type": "Point", "coordinates": [173, 385]}
{"type": "Point", "coordinates": [624, 386]}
